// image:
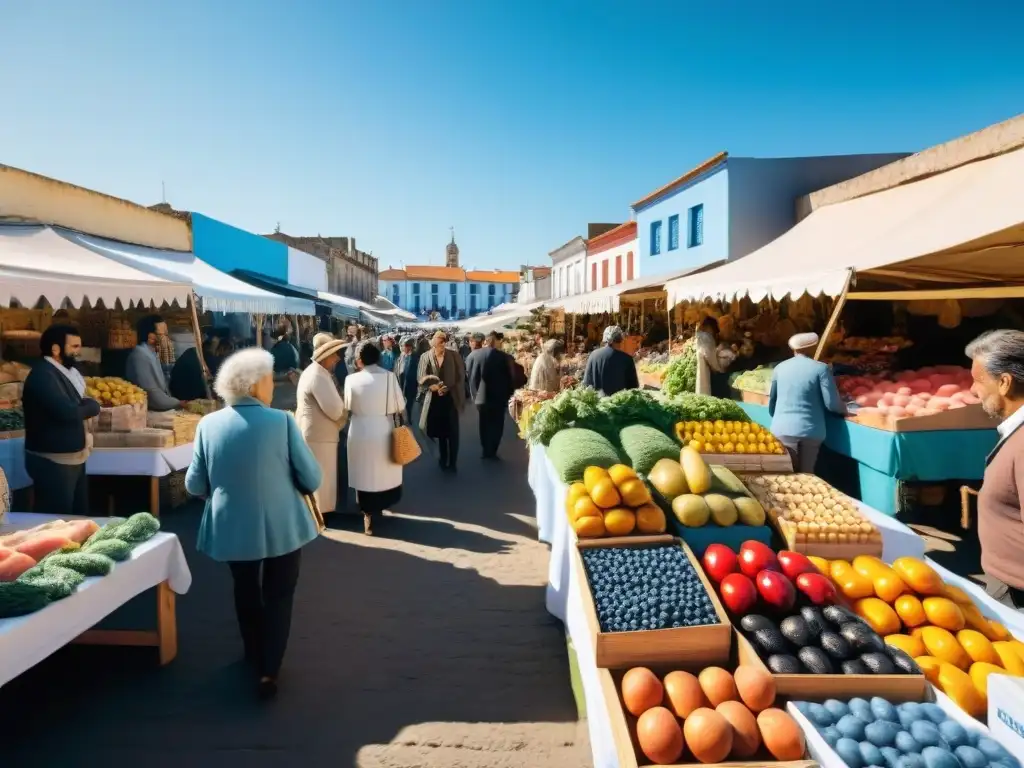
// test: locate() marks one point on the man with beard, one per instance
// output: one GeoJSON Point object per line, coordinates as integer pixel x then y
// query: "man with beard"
{"type": "Point", "coordinates": [997, 367]}
{"type": "Point", "coordinates": [57, 443]}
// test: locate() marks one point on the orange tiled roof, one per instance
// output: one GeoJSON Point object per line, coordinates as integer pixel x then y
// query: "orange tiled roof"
{"type": "Point", "coordinates": [494, 276]}
{"type": "Point", "coordinates": [392, 274]}
{"type": "Point", "coordinates": [450, 274]}
{"type": "Point", "coordinates": [707, 165]}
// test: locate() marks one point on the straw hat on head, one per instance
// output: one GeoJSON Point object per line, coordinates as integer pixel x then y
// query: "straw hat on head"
{"type": "Point", "coordinates": [324, 345]}
{"type": "Point", "coordinates": [803, 341]}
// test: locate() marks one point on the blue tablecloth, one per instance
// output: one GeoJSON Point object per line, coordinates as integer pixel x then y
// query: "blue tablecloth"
{"type": "Point", "coordinates": [885, 459]}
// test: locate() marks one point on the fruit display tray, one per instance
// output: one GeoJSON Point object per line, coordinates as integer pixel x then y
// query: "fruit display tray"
{"type": "Point", "coordinates": [699, 539]}
{"type": "Point", "coordinates": [700, 646]}
{"type": "Point", "coordinates": [755, 398]}
{"type": "Point", "coordinates": [623, 728]}
{"type": "Point", "coordinates": [968, 417]}
{"type": "Point", "coordinates": [895, 688]}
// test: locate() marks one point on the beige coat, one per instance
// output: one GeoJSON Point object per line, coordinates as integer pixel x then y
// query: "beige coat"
{"type": "Point", "coordinates": [707, 361]}
{"type": "Point", "coordinates": [321, 415]}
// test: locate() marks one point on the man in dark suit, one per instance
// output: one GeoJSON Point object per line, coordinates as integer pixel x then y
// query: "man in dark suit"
{"type": "Point", "coordinates": [490, 384]}
{"type": "Point", "coordinates": [57, 444]}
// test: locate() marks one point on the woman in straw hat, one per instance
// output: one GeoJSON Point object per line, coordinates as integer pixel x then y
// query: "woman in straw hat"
{"type": "Point", "coordinates": [802, 392]}
{"type": "Point", "coordinates": [321, 414]}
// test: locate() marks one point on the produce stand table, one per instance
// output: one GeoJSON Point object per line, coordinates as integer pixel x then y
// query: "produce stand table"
{"type": "Point", "coordinates": [153, 463]}
{"type": "Point", "coordinates": [564, 595]}
{"type": "Point", "coordinates": [885, 459]}
{"type": "Point", "coordinates": [160, 562]}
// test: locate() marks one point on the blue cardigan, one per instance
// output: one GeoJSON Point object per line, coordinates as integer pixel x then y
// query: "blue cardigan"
{"type": "Point", "coordinates": [803, 391]}
{"type": "Point", "coordinates": [248, 460]}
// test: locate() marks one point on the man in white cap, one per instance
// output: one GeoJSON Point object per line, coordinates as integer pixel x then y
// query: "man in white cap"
{"type": "Point", "coordinates": [803, 391]}
{"type": "Point", "coordinates": [321, 415]}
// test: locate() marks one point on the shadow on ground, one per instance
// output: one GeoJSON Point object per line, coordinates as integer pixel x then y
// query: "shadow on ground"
{"type": "Point", "coordinates": [381, 640]}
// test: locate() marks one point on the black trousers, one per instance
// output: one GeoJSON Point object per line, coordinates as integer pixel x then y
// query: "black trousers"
{"type": "Point", "coordinates": [448, 446]}
{"type": "Point", "coordinates": [59, 489]}
{"type": "Point", "coordinates": [492, 425]}
{"type": "Point", "coordinates": [264, 592]}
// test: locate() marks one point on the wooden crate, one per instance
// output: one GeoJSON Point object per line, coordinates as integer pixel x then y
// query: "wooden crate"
{"type": "Point", "coordinates": [623, 729]}
{"type": "Point", "coordinates": [757, 463]}
{"type": "Point", "coordinates": [704, 645]}
{"type": "Point", "coordinates": [895, 688]}
{"type": "Point", "coordinates": [787, 530]}
{"type": "Point", "coordinates": [968, 417]}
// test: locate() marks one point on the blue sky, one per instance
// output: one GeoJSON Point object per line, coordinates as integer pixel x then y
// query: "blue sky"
{"type": "Point", "coordinates": [516, 123]}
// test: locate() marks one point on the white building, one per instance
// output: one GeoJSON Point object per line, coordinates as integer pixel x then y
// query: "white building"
{"type": "Point", "coordinates": [450, 290]}
{"type": "Point", "coordinates": [534, 284]}
{"type": "Point", "coordinates": [568, 269]}
{"type": "Point", "coordinates": [613, 257]}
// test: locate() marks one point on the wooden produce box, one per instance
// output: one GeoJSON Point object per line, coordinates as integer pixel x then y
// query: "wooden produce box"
{"type": "Point", "coordinates": [110, 440]}
{"type": "Point", "coordinates": [122, 418]}
{"type": "Point", "coordinates": [895, 688]}
{"type": "Point", "coordinates": [758, 463]}
{"type": "Point", "coordinates": [150, 438]}
{"type": "Point", "coordinates": [866, 544]}
{"type": "Point", "coordinates": [968, 417]}
{"type": "Point", "coordinates": [705, 645]}
{"type": "Point", "coordinates": [623, 729]}
{"type": "Point", "coordinates": [12, 434]}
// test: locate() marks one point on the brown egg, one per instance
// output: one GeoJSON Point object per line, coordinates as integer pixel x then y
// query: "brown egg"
{"type": "Point", "coordinates": [781, 735]}
{"type": "Point", "coordinates": [641, 690]}
{"type": "Point", "coordinates": [708, 735]}
{"type": "Point", "coordinates": [746, 739]}
{"type": "Point", "coordinates": [756, 687]}
{"type": "Point", "coordinates": [717, 685]}
{"type": "Point", "coordinates": [683, 694]}
{"type": "Point", "coordinates": [659, 736]}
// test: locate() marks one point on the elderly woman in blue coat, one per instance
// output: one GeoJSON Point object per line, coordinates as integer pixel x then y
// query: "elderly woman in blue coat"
{"type": "Point", "coordinates": [802, 392]}
{"type": "Point", "coordinates": [253, 468]}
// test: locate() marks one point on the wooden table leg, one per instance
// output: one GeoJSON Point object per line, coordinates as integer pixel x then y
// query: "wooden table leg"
{"type": "Point", "coordinates": [154, 496]}
{"type": "Point", "coordinates": [166, 623]}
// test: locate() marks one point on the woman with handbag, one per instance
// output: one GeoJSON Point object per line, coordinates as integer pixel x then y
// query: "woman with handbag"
{"type": "Point", "coordinates": [375, 402]}
{"type": "Point", "coordinates": [256, 473]}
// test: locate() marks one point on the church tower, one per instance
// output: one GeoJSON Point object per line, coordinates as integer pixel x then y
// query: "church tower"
{"type": "Point", "coordinates": [452, 252]}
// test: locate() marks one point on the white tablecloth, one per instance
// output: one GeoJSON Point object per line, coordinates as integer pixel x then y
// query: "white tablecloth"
{"type": "Point", "coordinates": [12, 462]}
{"type": "Point", "coordinates": [993, 609]}
{"type": "Point", "coordinates": [564, 599]}
{"type": "Point", "coordinates": [139, 462]}
{"type": "Point", "coordinates": [27, 640]}
{"type": "Point", "coordinates": [135, 462]}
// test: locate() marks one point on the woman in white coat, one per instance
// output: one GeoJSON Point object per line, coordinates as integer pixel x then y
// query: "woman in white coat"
{"type": "Point", "coordinates": [372, 397]}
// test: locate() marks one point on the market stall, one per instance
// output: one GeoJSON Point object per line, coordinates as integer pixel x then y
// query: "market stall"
{"type": "Point", "coordinates": [907, 246]}
{"type": "Point", "coordinates": [60, 598]}
{"type": "Point", "coordinates": [686, 577]}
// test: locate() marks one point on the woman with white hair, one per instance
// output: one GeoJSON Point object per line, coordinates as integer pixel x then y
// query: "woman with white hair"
{"type": "Point", "coordinates": [802, 392]}
{"type": "Point", "coordinates": [253, 468]}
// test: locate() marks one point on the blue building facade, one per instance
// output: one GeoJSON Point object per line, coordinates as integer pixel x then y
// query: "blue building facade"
{"type": "Point", "coordinates": [229, 248]}
{"type": "Point", "coordinates": [728, 206]}
{"type": "Point", "coordinates": [462, 294]}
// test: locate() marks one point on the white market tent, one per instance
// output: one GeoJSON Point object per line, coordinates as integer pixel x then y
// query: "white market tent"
{"type": "Point", "coordinates": [607, 299]}
{"type": "Point", "coordinates": [217, 291]}
{"type": "Point", "coordinates": [959, 233]}
{"type": "Point", "coordinates": [385, 308]}
{"type": "Point", "coordinates": [36, 262]}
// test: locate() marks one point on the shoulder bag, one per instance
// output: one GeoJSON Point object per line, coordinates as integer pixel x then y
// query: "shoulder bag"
{"type": "Point", "coordinates": [404, 447]}
{"type": "Point", "coordinates": [307, 496]}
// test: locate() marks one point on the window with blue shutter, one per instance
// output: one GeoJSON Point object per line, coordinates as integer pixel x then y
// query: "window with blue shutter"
{"type": "Point", "coordinates": [655, 238]}
{"type": "Point", "coordinates": [695, 224]}
{"type": "Point", "coordinates": [673, 232]}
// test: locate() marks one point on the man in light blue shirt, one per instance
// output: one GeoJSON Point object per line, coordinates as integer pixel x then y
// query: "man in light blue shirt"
{"type": "Point", "coordinates": [388, 358]}
{"type": "Point", "coordinates": [802, 392]}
